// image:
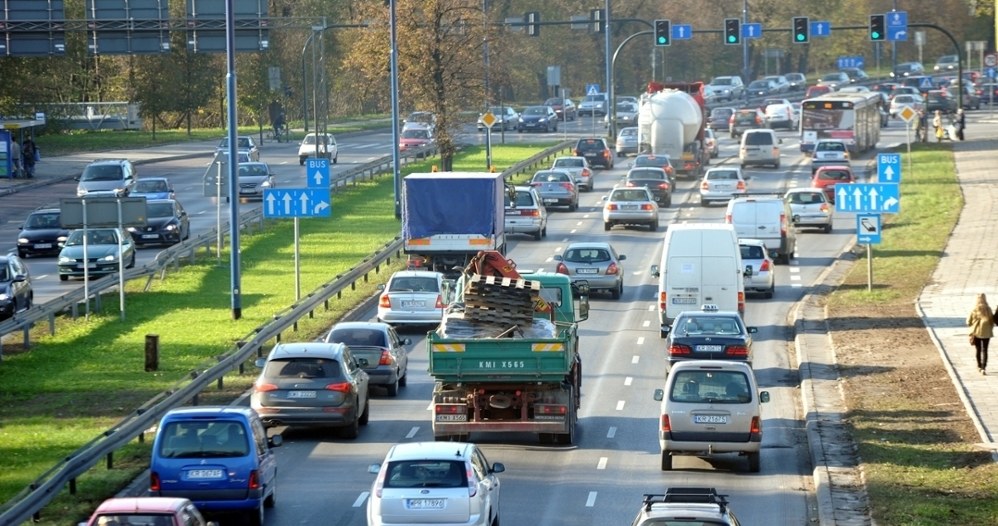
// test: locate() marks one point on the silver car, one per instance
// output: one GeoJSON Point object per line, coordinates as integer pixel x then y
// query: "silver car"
{"type": "Point", "coordinates": [244, 143]}
{"type": "Point", "coordinates": [556, 188]}
{"type": "Point", "coordinates": [759, 276]}
{"type": "Point", "coordinates": [254, 178]}
{"type": "Point", "coordinates": [810, 208]}
{"type": "Point", "coordinates": [579, 168]}
{"type": "Point", "coordinates": [596, 263]}
{"type": "Point", "coordinates": [627, 141]}
{"type": "Point", "coordinates": [630, 206]}
{"type": "Point", "coordinates": [721, 184]}
{"type": "Point", "coordinates": [527, 215]}
{"type": "Point", "coordinates": [412, 297]}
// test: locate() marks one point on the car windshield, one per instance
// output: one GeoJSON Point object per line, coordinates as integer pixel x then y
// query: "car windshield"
{"type": "Point", "coordinates": [426, 473]}
{"type": "Point", "coordinates": [730, 387]}
{"type": "Point", "coordinates": [415, 134]}
{"type": "Point", "coordinates": [535, 110]}
{"type": "Point", "coordinates": [46, 220]}
{"type": "Point", "coordinates": [151, 187]}
{"type": "Point", "coordinates": [835, 175]}
{"type": "Point", "coordinates": [646, 174]}
{"type": "Point", "coordinates": [159, 209]}
{"type": "Point", "coordinates": [522, 199]}
{"type": "Point", "coordinates": [757, 139]}
{"type": "Point", "coordinates": [310, 139]}
{"type": "Point", "coordinates": [722, 175]}
{"type": "Point", "coordinates": [832, 76]}
{"type": "Point", "coordinates": [629, 195]}
{"type": "Point", "coordinates": [301, 368]}
{"type": "Point", "coordinates": [758, 84]}
{"type": "Point", "coordinates": [751, 251]}
{"type": "Point", "coordinates": [651, 161]}
{"type": "Point", "coordinates": [134, 518]}
{"type": "Point", "coordinates": [358, 337]}
{"type": "Point", "coordinates": [253, 170]}
{"type": "Point", "coordinates": [629, 132]}
{"type": "Point", "coordinates": [551, 177]}
{"type": "Point", "coordinates": [593, 98]}
{"type": "Point", "coordinates": [708, 325]}
{"type": "Point", "coordinates": [721, 81]}
{"type": "Point", "coordinates": [94, 237]}
{"type": "Point", "coordinates": [203, 440]}
{"type": "Point", "coordinates": [807, 198]}
{"type": "Point", "coordinates": [242, 143]}
{"type": "Point", "coordinates": [414, 284]}
{"type": "Point", "coordinates": [569, 163]}
{"type": "Point", "coordinates": [586, 255]}
{"type": "Point", "coordinates": [102, 172]}
{"type": "Point", "coordinates": [830, 146]}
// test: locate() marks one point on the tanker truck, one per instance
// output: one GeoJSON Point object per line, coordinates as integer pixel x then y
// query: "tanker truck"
{"type": "Point", "coordinates": [671, 122]}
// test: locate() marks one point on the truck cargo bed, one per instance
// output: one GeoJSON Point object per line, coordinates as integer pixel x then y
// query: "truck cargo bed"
{"type": "Point", "coordinates": [501, 359]}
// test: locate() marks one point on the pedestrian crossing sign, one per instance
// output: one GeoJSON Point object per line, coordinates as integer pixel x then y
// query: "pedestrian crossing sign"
{"type": "Point", "coordinates": [592, 89]}
{"type": "Point", "coordinates": [926, 83]}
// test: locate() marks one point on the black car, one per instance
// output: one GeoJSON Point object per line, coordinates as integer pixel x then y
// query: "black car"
{"type": "Point", "coordinates": [595, 151]}
{"type": "Point", "coordinates": [41, 234]}
{"type": "Point", "coordinates": [655, 180]}
{"type": "Point", "coordinates": [166, 224]}
{"type": "Point", "coordinates": [709, 334]}
{"type": "Point", "coordinates": [377, 344]}
{"type": "Point", "coordinates": [16, 294]}
{"type": "Point", "coordinates": [940, 100]}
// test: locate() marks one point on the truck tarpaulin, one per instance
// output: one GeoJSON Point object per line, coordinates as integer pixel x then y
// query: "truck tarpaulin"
{"type": "Point", "coordinates": [453, 203]}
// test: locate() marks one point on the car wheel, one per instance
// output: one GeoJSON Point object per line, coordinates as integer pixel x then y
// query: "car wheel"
{"type": "Point", "coordinates": [538, 234]}
{"type": "Point", "coordinates": [365, 417]}
{"type": "Point", "coordinates": [704, 203]}
{"type": "Point", "coordinates": [271, 499]}
{"type": "Point", "coordinates": [617, 291]}
{"type": "Point", "coordinates": [63, 277]}
{"type": "Point", "coordinates": [753, 462]}
{"type": "Point", "coordinates": [653, 226]}
{"type": "Point", "coordinates": [404, 379]}
{"type": "Point", "coordinates": [666, 461]}
{"type": "Point", "coordinates": [352, 430]}
{"type": "Point", "coordinates": [668, 202]}
{"type": "Point", "coordinates": [301, 161]}
{"type": "Point", "coordinates": [131, 264]}
{"type": "Point", "coordinates": [827, 228]}
{"type": "Point", "coordinates": [607, 226]}
{"type": "Point", "coordinates": [22, 254]}
{"type": "Point", "coordinates": [573, 207]}
{"type": "Point", "coordinates": [544, 232]}
{"type": "Point", "coordinates": [393, 389]}
{"type": "Point", "coordinates": [335, 159]}
{"type": "Point", "coordinates": [567, 439]}
{"type": "Point", "coordinates": [776, 164]}
{"type": "Point", "coordinates": [769, 293]}
{"type": "Point", "coordinates": [255, 516]}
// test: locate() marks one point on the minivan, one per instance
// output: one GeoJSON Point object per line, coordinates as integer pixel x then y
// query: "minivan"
{"type": "Point", "coordinates": [701, 264]}
{"type": "Point", "coordinates": [219, 457]}
{"type": "Point", "coordinates": [760, 147]}
{"type": "Point", "coordinates": [764, 217]}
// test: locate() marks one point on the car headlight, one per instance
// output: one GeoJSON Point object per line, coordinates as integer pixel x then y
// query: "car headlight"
{"type": "Point", "coordinates": [171, 227]}
{"type": "Point", "coordinates": [521, 119]}
{"type": "Point", "coordinates": [4, 296]}
{"type": "Point", "coordinates": [542, 119]}
{"type": "Point", "coordinates": [267, 184]}
{"type": "Point", "coordinates": [61, 239]}
{"type": "Point", "coordinates": [132, 229]}
{"type": "Point", "coordinates": [63, 260]}
{"type": "Point", "coordinates": [109, 257]}
{"type": "Point", "coordinates": [22, 241]}
{"type": "Point", "coordinates": [81, 193]}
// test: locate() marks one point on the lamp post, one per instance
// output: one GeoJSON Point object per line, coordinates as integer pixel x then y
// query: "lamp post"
{"type": "Point", "coordinates": [746, 74]}
{"type": "Point", "coordinates": [392, 22]}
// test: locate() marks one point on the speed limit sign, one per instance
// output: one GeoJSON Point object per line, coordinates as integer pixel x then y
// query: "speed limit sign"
{"type": "Point", "coordinates": [991, 60]}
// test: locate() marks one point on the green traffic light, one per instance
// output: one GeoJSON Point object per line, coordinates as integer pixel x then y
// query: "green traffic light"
{"type": "Point", "coordinates": [731, 38]}
{"type": "Point", "coordinates": [662, 40]}
{"type": "Point", "coordinates": [875, 35]}
{"type": "Point", "coordinates": [800, 37]}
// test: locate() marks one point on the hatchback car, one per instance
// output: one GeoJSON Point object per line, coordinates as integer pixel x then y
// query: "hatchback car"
{"type": "Point", "coordinates": [759, 275]}
{"type": "Point", "coordinates": [709, 334]}
{"type": "Point", "coordinates": [798, 81]}
{"type": "Point", "coordinates": [106, 178]}
{"type": "Point", "coordinates": [908, 69]}
{"type": "Point", "coordinates": [899, 101]}
{"type": "Point", "coordinates": [596, 151]}
{"type": "Point", "coordinates": [722, 184]}
{"type": "Point", "coordinates": [413, 297]}
{"type": "Point", "coordinates": [724, 88]}
{"type": "Point", "coordinates": [102, 251]}
{"type": "Point", "coordinates": [167, 223]}
{"type": "Point", "coordinates": [625, 113]}
{"type": "Point", "coordinates": [647, 160]}
{"type": "Point", "coordinates": [16, 293]}
{"type": "Point", "coordinates": [377, 344]}
{"type": "Point", "coordinates": [710, 407]}
{"type": "Point", "coordinates": [244, 143]}
{"type": "Point", "coordinates": [627, 141]}
{"type": "Point", "coordinates": [745, 119]}
{"type": "Point", "coordinates": [527, 214]}
{"type": "Point", "coordinates": [151, 511]}
{"type": "Point", "coordinates": [415, 138]}
{"type": "Point", "coordinates": [947, 63]}
{"type": "Point", "coordinates": [312, 384]}
{"type": "Point", "coordinates": [630, 206]}
{"type": "Point", "coordinates": [940, 100]}
{"type": "Point", "coordinates": [579, 168]}
{"type": "Point", "coordinates": [41, 234]}
{"type": "Point", "coordinates": [781, 82]}
{"type": "Point", "coordinates": [719, 117]}
{"type": "Point", "coordinates": [153, 188]}
{"type": "Point", "coordinates": [828, 152]}
{"type": "Point", "coordinates": [420, 119]}
{"type": "Point", "coordinates": [597, 263]}
{"type": "Point", "coordinates": [826, 177]}
{"type": "Point", "coordinates": [760, 88]}
{"type": "Point", "coordinates": [563, 108]}
{"type": "Point", "coordinates": [537, 118]}
{"type": "Point", "coordinates": [834, 80]}
{"type": "Point", "coordinates": [655, 180]}
{"type": "Point", "coordinates": [679, 505]}
{"type": "Point", "coordinates": [855, 75]}
{"type": "Point", "coordinates": [506, 118]}
{"type": "Point", "coordinates": [435, 483]}
{"type": "Point", "coordinates": [254, 179]}
{"type": "Point", "coordinates": [556, 188]}
{"type": "Point", "coordinates": [326, 147]}
{"type": "Point", "coordinates": [810, 208]}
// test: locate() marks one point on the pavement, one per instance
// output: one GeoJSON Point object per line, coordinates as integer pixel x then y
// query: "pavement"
{"type": "Point", "coordinates": [968, 267]}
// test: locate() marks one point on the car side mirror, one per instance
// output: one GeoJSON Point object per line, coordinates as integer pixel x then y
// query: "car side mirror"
{"type": "Point", "coordinates": [781, 141]}
{"type": "Point", "coordinates": [748, 271]}
{"type": "Point", "coordinates": [795, 219]}
{"type": "Point", "coordinates": [405, 341]}
{"type": "Point", "coordinates": [77, 178]}
{"type": "Point", "coordinates": [659, 395]}
{"type": "Point", "coordinates": [654, 271]}
{"type": "Point", "coordinates": [498, 467]}
{"type": "Point", "coordinates": [374, 468]}
{"type": "Point", "coordinates": [558, 257]}
{"type": "Point", "coordinates": [752, 330]}
{"type": "Point", "coordinates": [275, 441]}
{"type": "Point", "coordinates": [260, 362]}
{"type": "Point", "coordinates": [764, 397]}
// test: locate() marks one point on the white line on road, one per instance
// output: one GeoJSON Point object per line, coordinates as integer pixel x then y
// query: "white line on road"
{"type": "Point", "coordinates": [360, 499]}
{"type": "Point", "coordinates": [635, 359]}
{"type": "Point", "coordinates": [412, 432]}
{"type": "Point", "coordinates": [591, 500]}
{"type": "Point", "coordinates": [602, 463]}
{"type": "Point", "coordinates": [612, 432]}
{"type": "Point", "coordinates": [628, 380]}
{"type": "Point", "coordinates": [620, 405]}
{"type": "Point", "coordinates": [641, 340]}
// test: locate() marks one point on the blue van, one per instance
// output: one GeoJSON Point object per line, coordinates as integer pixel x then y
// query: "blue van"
{"type": "Point", "coordinates": [218, 457]}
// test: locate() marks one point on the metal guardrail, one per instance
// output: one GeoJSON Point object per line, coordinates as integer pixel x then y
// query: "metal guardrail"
{"type": "Point", "coordinates": [32, 499]}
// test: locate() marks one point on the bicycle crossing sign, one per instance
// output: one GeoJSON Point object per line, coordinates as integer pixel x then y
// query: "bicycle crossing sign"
{"type": "Point", "coordinates": [880, 198]}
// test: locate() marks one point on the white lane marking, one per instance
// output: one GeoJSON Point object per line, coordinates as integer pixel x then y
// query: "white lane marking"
{"type": "Point", "coordinates": [646, 323]}
{"type": "Point", "coordinates": [612, 432]}
{"type": "Point", "coordinates": [602, 463]}
{"type": "Point", "coordinates": [796, 285]}
{"type": "Point", "coordinates": [591, 499]}
{"type": "Point", "coordinates": [794, 269]}
{"type": "Point", "coordinates": [635, 359]}
{"type": "Point", "coordinates": [620, 405]}
{"type": "Point", "coordinates": [430, 407]}
{"type": "Point", "coordinates": [628, 380]}
{"type": "Point", "coordinates": [572, 231]}
{"type": "Point", "coordinates": [652, 307]}
{"type": "Point", "coordinates": [412, 432]}
{"type": "Point", "coordinates": [360, 499]}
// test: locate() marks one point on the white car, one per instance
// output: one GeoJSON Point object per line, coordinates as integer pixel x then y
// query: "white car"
{"type": "Point", "coordinates": [435, 483]}
{"type": "Point", "coordinates": [722, 184]}
{"type": "Point", "coordinates": [899, 101]}
{"type": "Point", "coordinates": [829, 152]}
{"type": "Point", "coordinates": [759, 276]}
{"type": "Point", "coordinates": [780, 115]}
{"type": "Point", "coordinates": [579, 168]}
{"type": "Point", "coordinates": [809, 208]}
{"type": "Point", "coordinates": [413, 297]}
{"type": "Point", "coordinates": [326, 148]}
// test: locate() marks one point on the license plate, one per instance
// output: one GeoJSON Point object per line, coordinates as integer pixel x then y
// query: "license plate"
{"type": "Point", "coordinates": [684, 301]}
{"type": "Point", "coordinates": [549, 201]}
{"type": "Point", "coordinates": [710, 419]}
{"type": "Point", "coordinates": [425, 504]}
{"type": "Point", "coordinates": [149, 236]}
{"type": "Point", "coordinates": [204, 474]}
{"type": "Point", "coordinates": [301, 394]}
{"type": "Point", "coordinates": [710, 348]}
{"type": "Point", "coordinates": [629, 207]}
{"type": "Point", "coordinates": [43, 245]}
{"type": "Point", "coordinates": [412, 303]}
{"type": "Point", "coordinates": [89, 265]}
{"type": "Point", "coordinates": [452, 418]}
{"type": "Point", "coordinates": [587, 271]}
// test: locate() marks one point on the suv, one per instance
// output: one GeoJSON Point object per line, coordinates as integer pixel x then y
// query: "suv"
{"type": "Point", "coordinates": [685, 505]}
{"type": "Point", "coordinates": [745, 119]}
{"type": "Point", "coordinates": [765, 217]}
{"type": "Point", "coordinates": [710, 407]}
{"type": "Point", "coordinates": [595, 151]}
{"type": "Point", "coordinates": [435, 483]}
{"type": "Point", "coordinates": [725, 88]}
{"type": "Point", "coordinates": [106, 178]}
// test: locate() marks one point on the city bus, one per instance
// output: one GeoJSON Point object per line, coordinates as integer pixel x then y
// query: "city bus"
{"type": "Point", "coordinates": [853, 118]}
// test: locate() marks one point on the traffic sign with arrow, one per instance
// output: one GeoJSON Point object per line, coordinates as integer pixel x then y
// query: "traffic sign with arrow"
{"type": "Point", "coordinates": [296, 202]}
{"type": "Point", "coordinates": [877, 198]}
{"type": "Point", "coordinates": [889, 167]}
{"type": "Point", "coordinates": [317, 172]}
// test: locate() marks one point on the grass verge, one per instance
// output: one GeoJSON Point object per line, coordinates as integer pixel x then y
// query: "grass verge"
{"type": "Point", "coordinates": [914, 438]}
{"type": "Point", "coordinates": [74, 385]}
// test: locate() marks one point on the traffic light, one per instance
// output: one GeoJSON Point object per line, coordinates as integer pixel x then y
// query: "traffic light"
{"type": "Point", "coordinates": [732, 31]}
{"type": "Point", "coordinates": [878, 28]}
{"type": "Point", "coordinates": [663, 32]}
{"type": "Point", "coordinates": [597, 19]}
{"type": "Point", "coordinates": [533, 28]}
{"type": "Point", "coordinates": [801, 30]}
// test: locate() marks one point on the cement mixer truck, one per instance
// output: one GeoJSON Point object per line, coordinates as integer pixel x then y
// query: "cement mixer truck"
{"type": "Point", "coordinates": [671, 122]}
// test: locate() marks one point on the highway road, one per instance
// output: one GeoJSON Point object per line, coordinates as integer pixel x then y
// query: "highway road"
{"type": "Point", "coordinates": [323, 479]}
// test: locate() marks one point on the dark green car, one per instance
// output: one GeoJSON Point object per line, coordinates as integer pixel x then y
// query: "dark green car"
{"type": "Point", "coordinates": [101, 255]}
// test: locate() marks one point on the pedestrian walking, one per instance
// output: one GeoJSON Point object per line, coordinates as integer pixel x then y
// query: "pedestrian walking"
{"type": "Point", "coordinates": [15, 159]}
{"type": "Point", "coordinates": [29, 154]}
{"type": "Point", "coordinates": [981, 321]}
{"type": "Point", "coordinates": [961, 123]}
{"type": "Point", "coordinates": [937, 126]}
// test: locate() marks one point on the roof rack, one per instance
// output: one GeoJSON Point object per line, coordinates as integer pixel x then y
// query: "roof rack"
{"type": "Point", "coordinates": [687, 495]}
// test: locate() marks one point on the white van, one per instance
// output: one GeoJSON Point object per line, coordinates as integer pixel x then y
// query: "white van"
{"type": "Point", "coordinates": [760, 146]}
{"type": "Point", "coordinates": [701, 263]}
{"type": "Point", "coordinates": [767, 218]}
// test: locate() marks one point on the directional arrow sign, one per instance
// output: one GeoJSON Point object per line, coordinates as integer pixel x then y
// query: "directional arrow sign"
{"type": "Point", "coordinates": [868, 229]}
{"type": "Point", "coordinates": [752, 30]}
{"type": "Point", "coordinates": [682, 31]}
{"type": "Point", "coordinates": [889, 167]}
{"type": "Point", "coordinates": [821, 29]}
{"type": "Point", "coordinates": [882, 198]}
{"type": "Point", "coordinates": [317, 172]}
{"type": "Point", "coordinates": [296, 202]}
{"type": "Point", "coordinates": [897, 25]}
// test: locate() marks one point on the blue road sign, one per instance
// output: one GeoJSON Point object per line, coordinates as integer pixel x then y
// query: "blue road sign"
{"type": "Point", "coordinates": [881, 198]}
{"type": "Point", "coordinates": [821, 28]}
{"type": "Point", "coordinates": [889, 167]}
{"type": "Point", "coordinates": [297, 202]}
{"type": "Point", "coordinates": [991, 73]}
{"type": "Point", "coordinates": [317, 172]}
{"type": "Point", "coordinates": [752, 30]}
{"type": "Point", "coordinates": [897, 26]}
{"type": "Point", "coordinates": [682, 31]}
{"type": "Point", "coordinates": [592, 89]}
{"type": "Point", "coordinates": [868, 229]}
{"type": "Point", "coordinates": [850, 62]}
{"type": "Point", "coordinates": [926, 84]}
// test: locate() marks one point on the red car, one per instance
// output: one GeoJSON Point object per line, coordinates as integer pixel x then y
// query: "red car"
{"type": "Point", "coordinates": [827, 177]}
{"type": "Point", "coordinates": [414, 138]}
{"type": "Point", "coordinates": [165, 511]}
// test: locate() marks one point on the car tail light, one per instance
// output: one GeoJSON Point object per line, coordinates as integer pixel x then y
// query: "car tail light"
{"type": "Point", "coordinates": [342, 387]}
{"type": "Point", "coordinates": [385, 301]}
{"type": "Point", "coordinates": [586, 172]}
{"type": "Point", "coordinates": [662, 304]}
{"type": "Point", "coordinates": [469, 475]}
{"type": "Point", "coordinates": [824, 208]}
{"type": "Point", "coordinates": [669, 170]}
{"type": "Point", "coordinates": [154, 482]}
{"type": "Point", "coordinates": [379, 483]}
{"type": "Point", "coordinates": [646, 207]}
{"type": "Point", "coordinates": [530, 212]}
{"type": "Point", "coordinates": [578, 152]}
{"type": "Point", "coordinates": [741, 302]}
{"type": "Point", "coordinates": [756, 426]}
{"type": "Point", "coordinates": [678, 349]}
{"type": "Point", "coordinates": [705, 185]}
{"type": "Point", "coordinates": [606, 154]}
{"type": "Point", "coordinates": [630, 184]}
{"type": "Point", "coordinates": [783, 225]}
{"type": "Point", "coordinates": [727, 218]}
{"type": "Point", "coordinates": [663, 186]}
{"type": "Point", "coordinates": [737, 350]}
{"type": "Point", "coordinates": [612, 269]}
{"type": "Point", "coordinates": [764, 267]}
{"type": "Point", "coordinates": [731, 119]}
{"type": "Point", "coordinates": [265, 388]}
{"type": "Point", "coordinates": [740, 185]}
{"type": "Point", "coordinates": [758, 120]}
{"type": "Point", "coordinates": [440, 302]}
{"type": "Point", "coordinates": [254, 480]}
{"type": "Point", "coordinates": [386, 358]}
{"type": "Point", "coordinates": [666, 426]}
{"type": "Point", "coordinates": [562, 269]}
{"type": "Point", "coordinates": [568, 186]}
{"type": "Point", "coordinates": [612, 206]}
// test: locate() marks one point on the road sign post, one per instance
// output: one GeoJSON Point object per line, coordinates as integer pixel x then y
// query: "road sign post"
{"type": "Point", "coordinates": [868, 233]}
